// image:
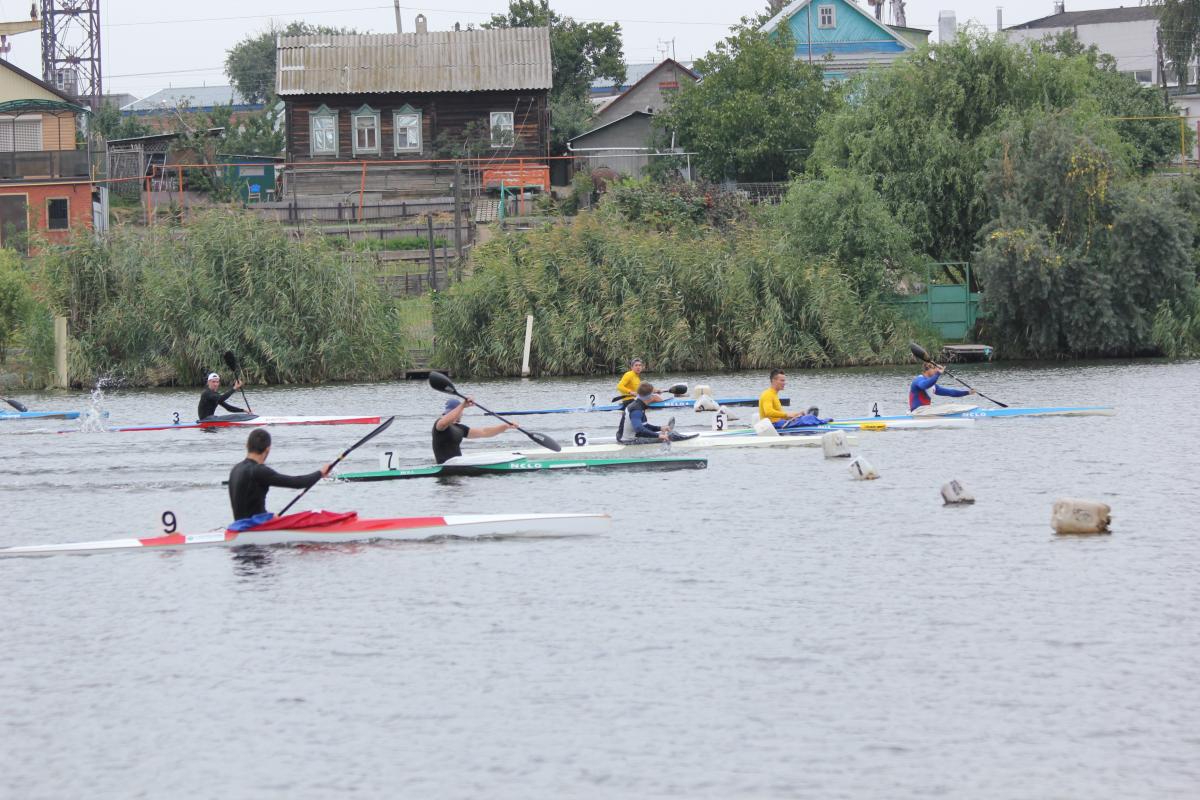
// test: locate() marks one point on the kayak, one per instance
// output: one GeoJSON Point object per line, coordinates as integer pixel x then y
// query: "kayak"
{"type": "Point", "coordinates": [957, 411]}
{"type": "Point", "coordinates": [673, 402]}
{"type": "Point", "coordinates": [310, 527]}
{"type": "Point", "coordinates": [657, 449]}
{"type": "Point", "coordinates": [247, 421]}
{"type": "Point", "coordinates": [866, 424]}
{"type": "Point", "coordinates": [512, 464]}
{"type": "Point", "coordinates": [39, 415]}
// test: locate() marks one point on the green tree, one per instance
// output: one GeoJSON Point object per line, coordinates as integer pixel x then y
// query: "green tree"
{"type": "Point", "coordinates": [1081, 257]}
{"type": "Point", "coordinates": [250, 64]}
{"type": "Point", "coordinates": [109, 123]}
{"type": "Point", "coordinates": [1179, 27]}
{"type": "Point", "coordinates": [924, 128]}
{"type": "Point", "coordinates": [580, 52]}
{"type": "Point", "coordinates": [754, 116]}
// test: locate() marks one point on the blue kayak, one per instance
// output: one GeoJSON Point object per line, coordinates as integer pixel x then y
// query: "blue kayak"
{"type": "Point", "coordinates": [985, 413]}
{"type": "Point", "coordinates": [674, 402]}
{"type": "Point", "coordinates": [39, 415]}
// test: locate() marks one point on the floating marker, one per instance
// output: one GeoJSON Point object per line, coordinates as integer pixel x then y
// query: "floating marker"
{"type": "Point", "coordinates": [764, 428]}
{"type": "Point", "coordinates": [835, 444]}
{"type": "Point", "coordinates": [861, 470]}
{"type": "Point", "coordinates": [702, 390]}
{"type": "Point", "coordinates": [1071, 515]}
{"type": "Point", "coordinates": [953, 493]}
{"type": "Point", "coordinates": [706, 402]}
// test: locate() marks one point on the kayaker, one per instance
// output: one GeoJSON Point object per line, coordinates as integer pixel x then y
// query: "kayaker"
{"type": "Point", "coordinates": [628, 385]}
{"type": "Point", "coordinates": [918, 392]}
{"type": "Point", "coordinates": [448, 432]}
{"type": "Point", "coordinates": [250, 480]}
{"type": "Point", "coordinates": [211, 397]}
{"type": "Point", "coordinates": [634, 420]}
{"type": "Point", "coordinates": [769, 406]}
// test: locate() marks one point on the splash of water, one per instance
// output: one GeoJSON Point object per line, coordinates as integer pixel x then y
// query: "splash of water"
{"type": "Point", "coordinates": [92, 419]}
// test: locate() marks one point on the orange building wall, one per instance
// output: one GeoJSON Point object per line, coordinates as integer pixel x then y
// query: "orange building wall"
{"type": "Point", "coordinates": [79, 209]}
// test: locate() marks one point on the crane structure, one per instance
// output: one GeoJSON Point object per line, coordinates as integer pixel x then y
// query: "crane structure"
{"type": "Point", "coordinates": [71, 48]}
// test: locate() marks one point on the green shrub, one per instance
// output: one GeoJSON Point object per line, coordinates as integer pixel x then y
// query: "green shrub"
{"type": "Point", "coordinates": [16, 301]}
{"type": "Point", "coordinates": [162, 305]}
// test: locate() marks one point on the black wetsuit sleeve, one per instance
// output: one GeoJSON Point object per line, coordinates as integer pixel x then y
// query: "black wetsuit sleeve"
{"type": "Point", "coordinates": [222, 398]}
{"type": "Point", "coordinates": [269, 477]}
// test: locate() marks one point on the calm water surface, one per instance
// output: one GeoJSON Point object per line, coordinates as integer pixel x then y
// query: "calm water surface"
{"type": "Point", "coordinates": [767, 628]}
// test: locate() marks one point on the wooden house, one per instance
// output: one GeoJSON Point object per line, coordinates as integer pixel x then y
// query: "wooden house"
{"type": "Point", "coordinates": [400, 101]}
{"type": "Point", "coordinates": [842, 37]}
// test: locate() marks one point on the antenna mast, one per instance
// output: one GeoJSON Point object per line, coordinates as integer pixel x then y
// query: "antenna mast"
{"type": "Point", "coordinates": [71, 49]}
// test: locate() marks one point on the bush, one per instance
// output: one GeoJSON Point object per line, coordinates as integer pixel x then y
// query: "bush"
{"type": "Point", "coordinates": [16, 302]}
{"type": "Point", "coordinates": [701, 299]}
{"type": "Point", "coordinates": [162, 305]}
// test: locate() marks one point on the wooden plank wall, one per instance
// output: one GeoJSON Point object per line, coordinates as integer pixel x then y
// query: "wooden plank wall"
{"type": "Point", "coordinates": [443, 112]}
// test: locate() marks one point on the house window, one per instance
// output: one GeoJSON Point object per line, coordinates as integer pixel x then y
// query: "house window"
{"type": "Point", "coordinates": [58, 214]}
{"type": "Point", "coordinates": [21, 134]}
{"type": "Point", "coordinates": [826, 17]}
{"type": "Point", "coordinates": [503, 132]}
{"type": "Point", "coordinates": [322, 130]}
{"type": "Point", "coordinates": [1143, 76]}
{"type": "Point", "coordinates": [407, 125]}
{"type": "Point", "coordinates": [366, 130]}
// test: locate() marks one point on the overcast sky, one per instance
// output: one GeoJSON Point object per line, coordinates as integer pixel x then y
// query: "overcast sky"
{"type": "Point", "coordinates": [151, 44]}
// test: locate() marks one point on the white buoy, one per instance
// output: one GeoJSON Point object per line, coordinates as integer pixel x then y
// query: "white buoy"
{"type": "Point", "coordinates": [701, 390]}
{"type": "Point", "coordinates": [706, 402]}
{"type": "Point", "coordinates": [835, 444]}
{"type": "Point", "coordinates": [764, 428]}
{"type": "Point", "coordinates": [861, 470]}
{"type": "Point", "coordinates": [1071, 515]}
{"type": "Point", "coordinates": [953, 493]}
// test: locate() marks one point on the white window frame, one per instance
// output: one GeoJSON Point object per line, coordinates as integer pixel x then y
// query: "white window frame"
{"type": "Point", "coordinates": [407, 111]}
{"type": "Point", "coordinates": [495, 120]}
{"type": "Point", "coordinates": [366, 112]}
{"type": "Point", "coordinates": [821, 11]}
{"type": "Point", "coordinates": [322, 113]}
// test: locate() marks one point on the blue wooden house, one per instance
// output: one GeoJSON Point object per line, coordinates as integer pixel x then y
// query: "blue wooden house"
{"type": "Point", "coordinates": [843, 37]}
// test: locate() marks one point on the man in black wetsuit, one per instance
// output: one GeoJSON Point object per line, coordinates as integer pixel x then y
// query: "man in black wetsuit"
{"type": "Point", "coordinates": [211, 398]}
{"type": "Point", "coordinates": [448, 432]}
{"type": "Point", "coordinates": [250, 480]}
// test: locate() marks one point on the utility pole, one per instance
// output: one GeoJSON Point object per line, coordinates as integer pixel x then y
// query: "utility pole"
{"type": "Point", "coordinates": [399, 24]}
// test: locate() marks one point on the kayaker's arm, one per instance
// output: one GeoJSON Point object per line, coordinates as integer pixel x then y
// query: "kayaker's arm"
{"type": "Point", "coordinates": [950, 391]}
{"type": "Point", "coordinates": [270, 477]}
{"type": "Point", "coordinates": [491, 430]}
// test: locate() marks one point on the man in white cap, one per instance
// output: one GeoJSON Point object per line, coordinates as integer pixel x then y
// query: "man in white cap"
{"type": "Point", "coordinates": [448, 432]}
{"type": "Point", "coordinates": [212, 397]}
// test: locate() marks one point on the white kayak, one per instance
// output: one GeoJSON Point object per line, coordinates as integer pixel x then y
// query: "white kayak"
{"type": "Point", "coordinates": [248, 421]}
{"type": "Point", "coordinates": [701, 442]}
{"type": "Point", "coordinates": [328, 528]}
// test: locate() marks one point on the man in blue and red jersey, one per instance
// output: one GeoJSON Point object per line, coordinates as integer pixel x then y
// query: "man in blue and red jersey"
{"type": "Point", "coordinates": [918, 393]}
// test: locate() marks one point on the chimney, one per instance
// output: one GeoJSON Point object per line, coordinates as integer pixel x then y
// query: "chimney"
{"type": "Point", "coordinates": [421, 26]}
{"type": "Point", "coordinates": [947, 26]}
{"type": "Point", "coordinates": [1060, 7]}
{"type": "Point", "coordinates": [999, 18]}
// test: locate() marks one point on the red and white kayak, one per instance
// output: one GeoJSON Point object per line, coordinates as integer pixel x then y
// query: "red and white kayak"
{"type": "Point", "coordinates": [324, 527]}
{"type": "Point", "coordinates": [248, 421]}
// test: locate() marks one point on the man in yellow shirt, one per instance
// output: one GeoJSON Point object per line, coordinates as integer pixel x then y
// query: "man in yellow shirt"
{"type": "Point", "coordinates": [769, 406]}
{"type": "Point", "coordinates": [628, 385]}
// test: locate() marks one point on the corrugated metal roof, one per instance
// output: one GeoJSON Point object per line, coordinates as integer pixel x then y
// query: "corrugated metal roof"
{"type": "Point", "coordinates": [1097, 16]}
{"type": "Point", "coordinates": [195, 97]}
{"type": "Point", "coordinates": [441, 61]}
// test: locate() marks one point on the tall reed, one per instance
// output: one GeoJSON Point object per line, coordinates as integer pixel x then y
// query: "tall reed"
{"type": "Point", "coordinates": [161, 305]}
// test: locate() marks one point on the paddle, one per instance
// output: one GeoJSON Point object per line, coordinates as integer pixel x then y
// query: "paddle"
{"type": "Point", "coordinates": [678, 390]}
{"type": "Point", "coordinates": [18, 406]}
{"type": "Point", "coordinates": [923, 355]}
{"type": "Point", "coordinates": [442, 384]}
{"type": "Point", "coordinates": [345, 453]}
{"type": "Point", "coordinates": [232, 362]}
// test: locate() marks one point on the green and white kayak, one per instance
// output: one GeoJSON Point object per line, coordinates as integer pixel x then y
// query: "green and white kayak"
{"type": "Point", "coordinates": [473, 466]}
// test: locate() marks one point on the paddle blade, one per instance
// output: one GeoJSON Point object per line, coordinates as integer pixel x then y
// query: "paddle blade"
{"type": "Point", "coordinates": [919, 352]}
{"type": "Point", "coordinates": [441, 383]}
{"type": "Point", "coordinates": [368, 437]}
{"type": "Point", "coordinates": [544, 440]}
{"type": "Point", "coordinates": [679, 389]}
{"type": "Point", "coordinates": [18, 406]}
{"type": "Point", "coordinates": [231, 361]}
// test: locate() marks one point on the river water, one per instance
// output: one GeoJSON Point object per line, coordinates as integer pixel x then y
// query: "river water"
{"type": "Point", "coordinates": [766, 628]}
